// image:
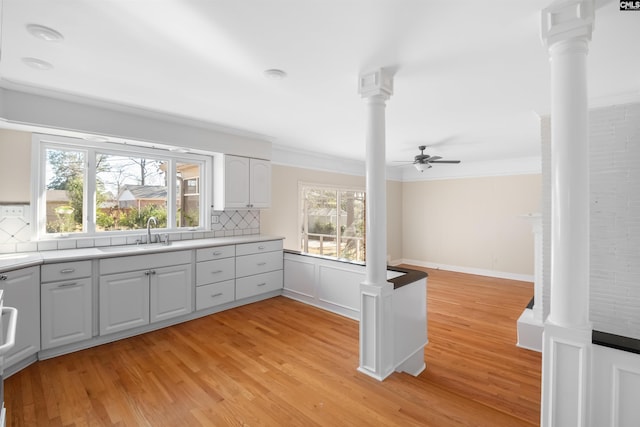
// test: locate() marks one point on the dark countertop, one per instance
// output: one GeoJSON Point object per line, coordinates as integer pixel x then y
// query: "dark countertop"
{"type": "Point", "coordinates": [408, 277]}
{"type": "Point", "coordinates": [618, 342]}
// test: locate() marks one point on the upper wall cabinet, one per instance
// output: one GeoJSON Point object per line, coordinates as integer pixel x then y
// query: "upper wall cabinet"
{"type": "Point", "coordinates": [241, 183]}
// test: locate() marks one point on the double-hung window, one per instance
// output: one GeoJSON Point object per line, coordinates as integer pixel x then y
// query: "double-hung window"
{"type": "Point", "coordinates": [332, 221]}
{"type": "Point", "coordinates": [94, 189]}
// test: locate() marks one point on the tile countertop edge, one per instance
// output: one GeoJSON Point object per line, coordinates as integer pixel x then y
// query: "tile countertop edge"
{"type": "Point", "coordinates": [28, 259]}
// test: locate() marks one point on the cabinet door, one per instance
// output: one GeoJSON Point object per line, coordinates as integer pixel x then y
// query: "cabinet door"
{"type": "Point", "coordinates": [22, 291]}
{"type": "Point", "coordinates": [171, 292]}
{"type": "Point", "coordinates": [124, 301]}
{"type": "Point", "coordinates": [260, 183]}
{"type": "Point", "coordinates": [236, 182]}
{"type": "Point", "coordinates": [66, 312]}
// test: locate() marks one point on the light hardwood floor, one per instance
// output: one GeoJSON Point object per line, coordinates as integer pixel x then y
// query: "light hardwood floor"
{"type": "Point", "coordinates": [283, 363]}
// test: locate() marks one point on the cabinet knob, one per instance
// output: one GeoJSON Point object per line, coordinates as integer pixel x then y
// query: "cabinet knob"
{"type": "Point", "coordinates": [3, 277]}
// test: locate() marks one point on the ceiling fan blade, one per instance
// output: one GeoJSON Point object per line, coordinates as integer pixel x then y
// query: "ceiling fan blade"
{"type": "Point", "coordinates": [434, 158]}
{"type": "Point", "coordinates": [445, 161]}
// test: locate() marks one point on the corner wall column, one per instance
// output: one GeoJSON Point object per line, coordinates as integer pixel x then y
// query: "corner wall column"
{"type": "Point", "coordinates": [566, 31]}
{"type": "Point", "coordinates": [376, 310]}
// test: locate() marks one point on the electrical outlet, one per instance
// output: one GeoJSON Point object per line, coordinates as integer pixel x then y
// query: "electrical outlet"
{"type": "Point", "coordinates": [12, 211]}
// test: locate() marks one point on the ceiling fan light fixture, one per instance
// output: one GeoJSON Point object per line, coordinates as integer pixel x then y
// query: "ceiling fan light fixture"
{"type": "Point", "coordinates": [421, 167]}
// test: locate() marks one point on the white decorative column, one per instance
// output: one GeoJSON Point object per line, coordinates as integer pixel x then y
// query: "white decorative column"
{"type": "Point", "coordinates": [566, 31]}
{"type": "Point", "coordinates": [376, 305]}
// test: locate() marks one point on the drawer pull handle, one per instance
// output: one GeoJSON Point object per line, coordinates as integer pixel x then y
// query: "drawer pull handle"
{"type": "Point", "coordinates": [217, 253]}
{"type": "Point", "coordinates": [216, 272]}
{"type": "Point", "coordinates": [67, 270]}
{"type": "Point", "coordinates": [219, 294]}
{"type": "Point", "coordinates": [262, 263]}
{"type": "Point", "coordinates": [260, 247]}
{"type": "Point", "coordinates": [67, 285]}
{"type": "Point", "coordinates": [262, 284]}
{"type": "Point", "coordinates": [3, 277]}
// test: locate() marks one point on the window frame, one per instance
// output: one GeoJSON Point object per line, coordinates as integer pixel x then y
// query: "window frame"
{"type": "Point", "coordinates": [301, 219]}
{"type": "Point", "coordinates": [42, 142]}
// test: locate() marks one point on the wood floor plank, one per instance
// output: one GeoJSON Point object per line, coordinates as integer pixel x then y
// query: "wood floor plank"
{"type": "Point", "coordinates": [282, 363]}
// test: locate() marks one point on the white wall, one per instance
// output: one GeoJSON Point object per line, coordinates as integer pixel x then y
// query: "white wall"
{"type": "Point", "coordinates": [15, 166]}
{"type": "Point", "coordinates": [472, 224]}
{"type": "Point", "coordinates": [282, 218]}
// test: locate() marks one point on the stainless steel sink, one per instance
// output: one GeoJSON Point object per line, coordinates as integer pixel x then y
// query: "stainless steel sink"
{"type": "Point", "coordinates": [131, 248]}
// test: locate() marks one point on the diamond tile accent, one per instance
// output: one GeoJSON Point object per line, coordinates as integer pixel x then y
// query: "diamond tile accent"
{"type": "Point", "coordinates": [235, 223]}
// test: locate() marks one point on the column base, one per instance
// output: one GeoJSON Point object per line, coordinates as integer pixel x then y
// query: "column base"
{"type": "Point", "coordinates": [566, 361]}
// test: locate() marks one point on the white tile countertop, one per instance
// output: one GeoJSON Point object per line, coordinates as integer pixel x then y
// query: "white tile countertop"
{"type": "Point", "coordinates": [16, 260]}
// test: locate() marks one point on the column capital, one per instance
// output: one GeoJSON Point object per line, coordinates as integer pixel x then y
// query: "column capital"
{"type": "Point", "coordinates": [567, 19]}
{"type": "Point", "coordinates": [373, 83]}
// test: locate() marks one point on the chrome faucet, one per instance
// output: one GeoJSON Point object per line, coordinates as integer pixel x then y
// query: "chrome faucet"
{"type": "Point", "coordinates": [155, 224]}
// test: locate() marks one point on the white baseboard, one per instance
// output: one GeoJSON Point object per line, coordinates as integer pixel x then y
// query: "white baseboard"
{"type": "Point", "coordinates": [468, 270]}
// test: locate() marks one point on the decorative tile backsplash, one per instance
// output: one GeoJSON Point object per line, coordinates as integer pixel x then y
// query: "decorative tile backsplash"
{"type": "Point", "coordinates": [15, 224]}
{"type": "Point", "coordinates": [15, 231]}
{"type": "Point", "coordinates": [235, 223]}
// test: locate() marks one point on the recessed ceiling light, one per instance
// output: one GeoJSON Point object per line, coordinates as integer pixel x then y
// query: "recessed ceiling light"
{"type": "Point", "coordinates": [44, 33]}
{"type": "Point", "coordinates": [38, 64]}
{"type": "Point", "coordinates": [275, 74]}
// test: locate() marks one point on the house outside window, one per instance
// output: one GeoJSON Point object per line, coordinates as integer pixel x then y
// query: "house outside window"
{"type": "Point", "coordinates": [86, 189]}
{"type": "Point", "coordinates": [333, 221]}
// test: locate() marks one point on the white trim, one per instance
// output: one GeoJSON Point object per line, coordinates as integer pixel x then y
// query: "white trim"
{"type": "Point", "coordinates": [287, 156]}
{"type": "Point", "coordinates": [468, 270]}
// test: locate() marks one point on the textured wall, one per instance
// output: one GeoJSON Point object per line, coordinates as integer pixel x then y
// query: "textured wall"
{"type": "Point", "coordinates": [614, 154]}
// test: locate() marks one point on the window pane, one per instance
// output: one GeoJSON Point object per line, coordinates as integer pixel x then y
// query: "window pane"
{"type": "Point", "coordinates": [130, 190]}
{"type": "Point", "coordinates": [187, 195]}
{"type": "Point", "coordinates": [352, 226]}
{"type": "Point", "coordinates": [333, 222]}
{"type": "Point", "coordinates": [64, 196]}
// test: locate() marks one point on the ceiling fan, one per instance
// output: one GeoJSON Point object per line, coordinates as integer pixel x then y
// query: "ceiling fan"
{"type": "Point", "coordinates": [423, 161]}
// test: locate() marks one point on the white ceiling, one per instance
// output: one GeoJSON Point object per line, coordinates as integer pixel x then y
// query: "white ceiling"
{"type": "Point", "coordinates": [471, 78]}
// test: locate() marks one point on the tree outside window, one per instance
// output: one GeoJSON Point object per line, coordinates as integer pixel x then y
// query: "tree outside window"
{"type": "Point", "coordinates": [333, 222]}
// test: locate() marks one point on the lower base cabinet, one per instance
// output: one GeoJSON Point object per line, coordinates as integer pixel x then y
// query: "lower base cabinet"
{"type": "Point", "coordinates": [66, 312]}
{"type": "Point", "coordinates": [259, 284]}
{"type": "Point", "coordinates": [136, 298]}
{"type": "Point", "coordinates": [215, 294]}
{"type": "Point", "coordinates": [22, 291]}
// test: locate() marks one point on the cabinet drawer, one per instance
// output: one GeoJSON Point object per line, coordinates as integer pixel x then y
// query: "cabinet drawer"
{"type": "Point", "coordinates": [258, 284]}
{"type": "Point", "coordinates": [259, 247]}
{"type": "Point", "coordinates": [206, 254]}
{"type": "Point", "coordinates": [215, 271]}
{"type": "Point", "coordinates": [215, 294]}
{"type": "Point", "coordinates": [258, 263]}
{"type": "Point", "coordinates": [65, 271]}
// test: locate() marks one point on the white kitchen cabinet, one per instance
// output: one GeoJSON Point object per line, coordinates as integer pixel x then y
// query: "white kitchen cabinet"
{"type": "Point", "coordinates": [258, 268]}
{"type": "Point", "coordinates": [215, 274]}
{"type": "Point", "coordinates": [124, 301]}
{"type": "Point", "coordinates": [170, 292]}
{"type": "Point", "coordinates": [66, 310]}
{"type": "Point", "coordinates": [22, 290]}
{"type": "Point", "coordinates": [241, 183]}
{"type": "Point", "coordinates": [157, 288]}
